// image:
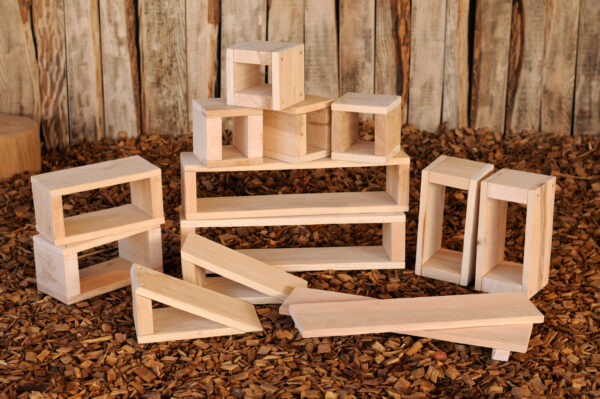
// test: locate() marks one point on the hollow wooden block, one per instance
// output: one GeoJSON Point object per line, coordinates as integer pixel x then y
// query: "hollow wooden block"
{"type": "Point", "coordinates": [58, 273]}
{"type": "Point", "coordinates": [432, 260]}
{"type": "Point", "coordinates": [244, 84]}
{"type": "Point", "coordinates": [346, 144]}
{"type": "Point", "coordinates": [144, 212]}
{"type": "Point", "coordinates": [300, 133]}
{"type": "Point", "coordinates": [493, 272]}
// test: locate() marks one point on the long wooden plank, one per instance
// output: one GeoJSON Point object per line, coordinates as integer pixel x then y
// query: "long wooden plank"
{"type": "Point", "coordinates": [560, 55]}
{"type": "Point", "coordinates": [120, 78]}
{"type": "Point", "coordinates": [587, 92]}
{"type": "Point", "coordinates": [428, 30]}
{"type": "Point", "coordinates": [286, 21]}
{"type": "Point", "coordinates": [84, 71]}
{"type": "Point", "coordinates": [238, 267]}
{"type": "Point", "coordinates": [163, 66]}
{"type": "Point", "coordinates": [193, 299]}
{"type": "Point", "coordinates": [490, 64]}
{"type": "Point", "coordinates": [49, 30]}
{"type": "Point", "coordinates": [413, 314]}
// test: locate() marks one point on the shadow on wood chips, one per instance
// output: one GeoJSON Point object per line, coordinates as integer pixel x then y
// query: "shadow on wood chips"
{"type": "Point", "coordinates": [89, 349]}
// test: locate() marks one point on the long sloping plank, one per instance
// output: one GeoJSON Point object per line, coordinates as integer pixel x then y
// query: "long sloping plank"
{"type": "Point", "coordinates": [513, 338]}
{"type": "Point", "coordinates": [202, 29]}
{"type": "Point", "coordinates": [321, 48]}
{"type": "Point", "coordinates": [193, 299]}
{"type": "Point", "coordinates": [19, 80]}
{"type": "Point", "coordinates": [238, 267]}
{"type": "Point", "coordinates": [490, 64]}
{"type": "Point", "coordinates": [84, 71]}
{"type": "Point", "coordinates": [455, 102]}
{"type": "Point", "coordinates": [414, 314]}
{"type": "Point", "coordinates": [427, 38]}
{"type": "Point", "coordinates": [587, 93]}
{"type": "Point", "coordinates": [120, 77]}
{"type": "Point", "coordinates": [163, 66]}
{"type": "Point", "coordinates": [560, 54]}
{"type": "Point", "coordinates": [286, 21]}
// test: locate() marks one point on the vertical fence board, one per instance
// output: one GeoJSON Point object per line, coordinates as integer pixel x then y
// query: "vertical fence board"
{"type": "Point", "coordinates": [84, 70]}
{"type": "Point", "coordinates": [321, 48]}
{"type": "Point", "coordinates": [455, 99]}
{"type": "Point", "coordinates": [49, 30]}
{"type": "Point", "coordinates": [119, 68]}
{"type": "Point", "coordinates": [286, 21]}
{"type": "Point", "coordinates": [562, 21]}
{"type": "Point", "coordinates": [587, 92]}
{"type": "Point", "coordinates": [163, 66]}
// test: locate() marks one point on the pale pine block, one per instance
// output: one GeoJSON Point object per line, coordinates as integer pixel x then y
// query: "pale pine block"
{"type": "Point", "coordinates": [188, 192]}
{"type": "Point", "coordinates": [288, 77]}
{"type": "Point", "coordinates": [56, 274]}
{"type": "Point", "coordinates": [284, 134]}
{"type": "Point", "coordinates": [192, 273]}
{"type": "Point", "coordinates": [388, 130]}
{"type": "Point", "coordinates": [143, 248]}
{"type": "Point", "coordinates": [318, 129]}
{"type": "Point", "coordinates": [207, 136]}
{"type": "Point", "coordinates": [255, 137]}
{"type": "Point", "coordinates": [142, 315]}
{"type": "Point", "coordinates": [147, 196]}
{"type": "Point", "coordinates": [185, 231]}
{"type": "Point", "coordinates": [49, 215]}
{"type": "Point", "coordinates": [500, 355]}
{"type": "Point", "coordinates": [393, 237]}
{"type": "Point", "coordinates": [434, 220]}
{"type": "Point", "coordinates": [344, 129]}
{"type": "Point", "coordinates": [397, 183]}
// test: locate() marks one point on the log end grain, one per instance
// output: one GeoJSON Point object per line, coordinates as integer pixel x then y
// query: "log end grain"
{"type": "Point", "coordinates": [20, 145]}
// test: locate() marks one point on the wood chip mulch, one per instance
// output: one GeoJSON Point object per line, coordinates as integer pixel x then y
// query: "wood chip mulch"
{"type": "Point", "coordinates": [48, 349]}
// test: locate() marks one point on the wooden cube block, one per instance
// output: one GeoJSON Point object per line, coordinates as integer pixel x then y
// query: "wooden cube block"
{"type": "Point", "coordinates": [345, 141]}
{"type": "Point", "coordinates": [144, 212]}
{"type": "Point", "coordinates": [432, 260]}
{"type": "Point", "coordinates": [58, 273]}
{"type": "Point", "coordinates": [246, 88]}
{"type": "Point", "coordinates": [300, 133]}
{"type": "Point", "coordinates": [247, 140]}
{"type": "Point", "coordinates": [536, 191]}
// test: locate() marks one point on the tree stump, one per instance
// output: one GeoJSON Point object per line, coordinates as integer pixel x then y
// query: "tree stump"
{"type": "Point", "coordinates": [20, 145]}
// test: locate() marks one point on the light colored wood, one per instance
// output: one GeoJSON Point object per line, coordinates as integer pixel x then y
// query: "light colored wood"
{"type": "Point", "coordinates": [20, 144]}
{"type": "Point", "coordinates": [344, 129]}
{"type": "Point", "coordinates": [238, 267]}
{"type": "Point", "coordinates": [366, 103]}
{"type": "Point", "coordinates": [147, 195]}
{"type": "Point", "coordinates": [286, 21]}
{"type": "Point", "coordinates": [142, 315]}
{"type": "Point", "coordinates": [56, 274]}
{"type": "Point", "coordinates": [309, 104]}
{"type": "Point", "coordinates": [318, 130]}
{"type": "Point", "coordinates": [514, 185]}
{"type": "Point", "coordinates": [218, 108]}
{"type": "Point", "coordinates": [84, 71]}
{"type": "Point", "coordinates": [248, 137]}
{"type": "Point", "coordinates": [49, 30]}
{"type": "Point", "coordinates": [236, 290]}
{"type": "Point", "coordinates": [387, 133]}
{"type": "Point", "coordinates": [500, 355]}
{"type": "Point", "coordinates": [191, 272]}
{"type": "Point", "coordinates": [143, 248]}
{"type": "Point", "coordinates": [393, 238]}
{"type": "Point", "coordinates": [504, 277]}
{"type": "Point", "coordinates": [413, 314]}
{"type": "Point", "coordinates": [397, 182]}
{"type": "Point", "coordinates": [189, 192]}
{"type": "Point", "coordinates": [444, 265]}
{"type": "Point", "coordinates": [586, 118]}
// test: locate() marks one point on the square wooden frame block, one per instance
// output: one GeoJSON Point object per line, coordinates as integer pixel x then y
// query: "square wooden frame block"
{"type": "Point", "coordinates": [58, 274]}
{"type": "Point", "coordinates": [432, 260]}
{"type": "Point", "coordinates": [144, 212]}
{"type": "Point", "coordinates": [246, 87]}
{"type": "Point", "coordinates": [536, 191]}
{"type": "Point", "coordinates": [345, 142]}
{"type": "Point", "coordinates": [247, 139]}
{"type": "Point", "coordinates": [300, 133]}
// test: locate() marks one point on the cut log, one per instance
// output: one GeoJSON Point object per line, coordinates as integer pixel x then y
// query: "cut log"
{"type": "Point", "coordinates": [20, 144]}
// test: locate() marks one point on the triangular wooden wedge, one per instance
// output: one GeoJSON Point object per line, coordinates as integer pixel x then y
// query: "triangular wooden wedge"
{"type": "Point", "coordinates": [200, 253]}
{"type": "Point", "coordinates": [194, 312]}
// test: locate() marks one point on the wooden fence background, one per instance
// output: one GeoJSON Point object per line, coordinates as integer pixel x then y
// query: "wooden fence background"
{"type": "Point", "coordinates": [93, 68]}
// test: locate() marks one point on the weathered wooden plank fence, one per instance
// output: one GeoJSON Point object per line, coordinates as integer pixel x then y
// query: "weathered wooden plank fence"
{"type": "Point", "coordinates": [97, 68]}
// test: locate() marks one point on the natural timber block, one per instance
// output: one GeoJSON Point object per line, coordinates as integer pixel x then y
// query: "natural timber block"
{"type": "Point", "coordinates": [432, 260]}
{"type": "Point", "coordinates": [192, 312]}
{"type": "Point", "coordinates": [144, 212]}
{"type": "Point", "coordinates": [244, 84]}
{"type": "Point", "coordinates": [58, 273]}
{"type": "Point", "coordinates": [247, 140]}
{"type": "Point", "coordinates": [493, 273]}
{"type": "Point", "coordinates": [20, 146]}
{"type": "Point", "coordinates": [300, 133]}
{"type": "Point", "coordinates": [345, 141]}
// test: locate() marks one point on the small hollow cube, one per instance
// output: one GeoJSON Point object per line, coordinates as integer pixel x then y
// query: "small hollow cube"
{"type": "Point", "coordinates": [246, 86]}
{"type": "Point", "coordinates": [346, 144]}
{"type": "Point", "coordinates": [432, 260]}
{"type": "Point", "coordinates": [493, 272]}
{"type": "Point", "coordinates": [247, 140]}
{"type": "Point", "coordinates": [300, 133]}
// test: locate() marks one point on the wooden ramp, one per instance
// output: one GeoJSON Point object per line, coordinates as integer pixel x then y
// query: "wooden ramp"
{"type": "Point", "coordinates": [194, 312]}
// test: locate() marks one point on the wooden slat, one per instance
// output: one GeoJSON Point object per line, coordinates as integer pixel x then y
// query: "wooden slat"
{"type": "Point", "coordinates": [587, 93]}
{"type": "Point", "coordinates": [49, 29]}
{"type": "Point", "coordinates": [560, 55]}
{"type": "Point", "coordinates": [490, 64]}
{"type": "Point", "coordinates": [84, 71]}
{"type": "Point", "coordinates": [163, 66]}
{"type": "Point", "coordinates": [426, 63]}
{"type": "Point", "coordinates": [455, 101]}
{"type": "Point", "coordinates": [120, 77]}
{"type": "Point", "coordinates": [286, 21]}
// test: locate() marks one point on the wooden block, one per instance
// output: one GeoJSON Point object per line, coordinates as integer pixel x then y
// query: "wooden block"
{"type": "Point", "coordinates": [432, 260]}
{"type": "Point", "coordinates": [537, 193]}
{"type": "Point", "coordinates": [393, 237]}
{"type": "Point", "coordinates": [21, 147]}
{"type": "Point", "coordinates": [500, 355]}
{"type": "Point", "coordinates": [238, 267]}
{"type": "Point", "coordinates": [413, 314]}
